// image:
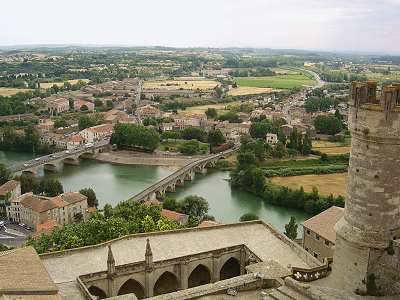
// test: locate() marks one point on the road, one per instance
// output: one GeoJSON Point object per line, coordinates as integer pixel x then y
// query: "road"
{"type": "Point", "coordinates": [13, 235]}
{"type": "Point", "coordinates": [55, 156]}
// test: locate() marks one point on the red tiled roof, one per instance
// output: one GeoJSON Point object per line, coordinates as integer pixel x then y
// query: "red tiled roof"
{"type": "Point", "coordinates": [8, 187]}
{"type": "Point", "coordinates": [46, 227]}
{"type": "Point", "coordinates": [208, 223]}
{"type": "Point", "coordinates": [172, 215]}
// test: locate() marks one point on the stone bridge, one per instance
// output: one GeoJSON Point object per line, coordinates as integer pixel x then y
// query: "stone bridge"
{"type": "Point", "coordinates": [147, 278]}
{"type": "Point", "coordinates": [55, 161]}
{"type": "Point", "coordinates": [178, 178]}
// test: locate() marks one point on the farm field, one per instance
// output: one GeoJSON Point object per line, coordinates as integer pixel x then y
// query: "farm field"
{"type": "Point", "coordinates": [204, 85]}
{"type": "Point", "coordinates": [283, 71]}
{"type": "Point", "coordinates": [250, 90]}
{"type": "Point", "coordinates": [277, 82]}
{"type": "Point", "coordinates": [325, 183]}
{"type": "Point", "coordinates": [330, 148]}
{"type": "Point", "coordinates": [47, 85]}
{"type": "Point", "coordinates": [202, 108]}
{"type": "Point", "coordinates": [4, 91]}
{"type": "Point", "coordinates": [173, 146]}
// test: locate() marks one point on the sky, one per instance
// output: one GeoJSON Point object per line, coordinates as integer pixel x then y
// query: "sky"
{"type": "Point", "coordinates": [338, 25]}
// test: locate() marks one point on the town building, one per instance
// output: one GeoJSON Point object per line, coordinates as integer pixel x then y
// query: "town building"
{"type": "Point", "coordinates": [319, 234]}
{"type": "Point", "coordinates": [78, 103]}
{"type": "Point", "coordinates": [96, 133]}
{"type": "Point", "coordinates": [8, 192]}
{"type": "Point", "coordinates": [148, 111]}
{"type": "Point", "coordinates": [33, 209]}
{"type": "Point", "coordinates": [57, 106]}
{"type": "Point", "coordinates": [181, 219]}
{"type": "Point", "coordinates": [271, 138]}
{"type": "Point", "coordinates": [75, 141]}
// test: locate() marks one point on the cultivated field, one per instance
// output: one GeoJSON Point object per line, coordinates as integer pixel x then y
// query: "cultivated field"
{"type": "Point", "coordinates": [47, 85]}
{"type": "Point", "coordinates": [330, 148]}
{"type": "Point", "coordinates": [277, 82]}
{"type": "Point", "coordinates": [11, 91]}
{"type": "Point", "coordinates": [325, 183]}
{"type": "Point", "coordinates": [249, 90]}
{"type": "Point", "coordinates": [202, 108]}
{"type": "Point", "coordinates": [204, 85]}
{"type": "Point", "coordinates": [283, 71]}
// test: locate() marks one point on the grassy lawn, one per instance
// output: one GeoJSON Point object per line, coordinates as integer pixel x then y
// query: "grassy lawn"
{"type": "Point", "coordinates": [171, 85]}
{"type": "Point", "coordinates": [11, 91]}
{"type": "Point", "coordinates": [277, 82]}
{"type": "Point", "coordinates": [325, 183]}
{"type": "Point", "coordinates": [47, 85]}
{"type": "Point", "coordinates": [173, 146]}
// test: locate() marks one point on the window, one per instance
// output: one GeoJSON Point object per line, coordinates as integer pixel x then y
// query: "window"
{"type": "Point", "coordinates": [315, 255]}
{"type": "Point", "coordinates": [308, 232]}
{"type": "Point", "coordinates": [327, 243]}
{"type": "Point", "coordinates": [307, 249]}
{"type": "Point", "coordinates": [317, 237]}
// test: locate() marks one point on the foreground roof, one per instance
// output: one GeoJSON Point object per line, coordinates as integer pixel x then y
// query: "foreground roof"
{"type": "Point", "coordinates": [324, 223]}
{"type": "Point", "coordinates": [21, 272]}
{"type": "Point", "coordinates": [261, 238]}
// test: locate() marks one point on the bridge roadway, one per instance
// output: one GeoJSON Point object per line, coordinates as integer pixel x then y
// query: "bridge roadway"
{"type": "Point", "coordinates": [168, 183]}
{"type": "Point", "coordinates": [48, 159]}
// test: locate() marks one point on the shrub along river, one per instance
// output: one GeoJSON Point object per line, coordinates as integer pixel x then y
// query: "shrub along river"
{"type": "Point", "coordinates": [114, 183]}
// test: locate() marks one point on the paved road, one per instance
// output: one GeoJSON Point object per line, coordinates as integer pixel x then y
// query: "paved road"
{"type": "Point", "coordinates": [13, 235]}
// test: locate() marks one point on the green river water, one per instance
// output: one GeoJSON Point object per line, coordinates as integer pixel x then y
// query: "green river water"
{"type": "Point", "coordinates": [114, 183]}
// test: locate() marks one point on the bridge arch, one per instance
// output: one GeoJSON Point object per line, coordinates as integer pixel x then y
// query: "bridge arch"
{"type": "Point", "coordinates": [98, 292]}
{"type": "Point", "coordinates": [199, 276]}
{"type": "Point", "coordinates": [231, 268]}
{"type": "Point", "coordinates": [29, 172]}
{"type": "Point", "coordinates": [166, 283]}
{"type": "Point", "coordinates": [131, 286]}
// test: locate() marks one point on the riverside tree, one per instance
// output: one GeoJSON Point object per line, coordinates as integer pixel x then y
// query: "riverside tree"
{"type": "Point", "coordinates": [291, 228]}
{"type": "Point", "coordinates": [135, 136]}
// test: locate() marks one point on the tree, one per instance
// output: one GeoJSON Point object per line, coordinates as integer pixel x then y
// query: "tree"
{"type": "Point", "coordinates": [60, 122]}
{"type": "Point", "coordinates": [211, 113]}
{"type": "Point", "coordinates": [248, 217]}
{"type": "Point", "coordinates": [291, 228]}
{"type": "Point", "coordinates": [5, 174]}
{"type": "Point", "coordinates": [148, 224]}
{"type": "Point", "coordinates": [194, 133]}
{"type": "Point", "coordinates": [328, 124]}
{"type": "Point", "coordinates": [189, 147]}
{"type": "Point", "coordinates": [135, 136]}
{"type": "Point", "coordinates": [108, 211]}
{"type": "Point", "coordinates": [245, 159]}
{"type": "Point", "coordinates": [230, 116]}
{"type": "Point", "coordinates": [215, 137]}
{"type": "Point", "coordinates": [171, 204]}
{"type": "Point", "coordinates": [29, 183]}
{"type": "Point", "coordinates": [51, 187]}
{"type": "Point", "coordinates": [194, 206]}
{"type": "Point", "coordinates": [307, 144]}
{"type": "Point", "coordinates": [84, 108]}
{"type": "Point", "coordinates": [91, 197]}
{"type": "Point", "coordinates": [78, 217]}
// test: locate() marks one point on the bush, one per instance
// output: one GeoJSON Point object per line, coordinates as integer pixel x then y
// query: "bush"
{"type": "Point", "coordinates": [190, 147]}
{"type": "Point", "coordinates": [248, 217]}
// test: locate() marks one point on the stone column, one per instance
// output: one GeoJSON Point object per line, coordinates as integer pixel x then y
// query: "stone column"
{"type": "Point", "coordinates": [184, 276]}
{"type": "Point", "coordinates": [242, 262]}
{"type": "Point", "coordinates": [215, 268]}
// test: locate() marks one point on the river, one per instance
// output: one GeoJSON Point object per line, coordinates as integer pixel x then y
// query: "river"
{"type": "Point", "coordinates": [114, 183]}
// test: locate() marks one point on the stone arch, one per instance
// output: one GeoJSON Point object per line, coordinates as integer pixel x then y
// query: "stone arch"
{"type": "Point", "coordinates": [131, 286]}
{"type": "Point", "coordinates": [231, 268]}
{"type": "Point", "coordinates": [166, 283]}
{"type": "Point", "coordinates": [98, 292]}
{"type": "Point", "coordinates": [170, 188]}
{"type": "Point", "coordinates": [199, 276]}
{"type": "Point", "coordinates": [29, 172]}
{"type": "Point", "coordinates": [180, 182]}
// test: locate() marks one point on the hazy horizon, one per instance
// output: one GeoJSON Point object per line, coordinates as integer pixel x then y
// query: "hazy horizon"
{"type": "Point", "coordinates": [362, 26]}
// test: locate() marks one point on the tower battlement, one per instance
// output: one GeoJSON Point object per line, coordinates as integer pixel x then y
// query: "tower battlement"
{"type": "Point", "coordinates": [365, 95]}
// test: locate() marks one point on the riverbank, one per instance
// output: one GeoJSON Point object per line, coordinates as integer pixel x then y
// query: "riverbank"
{"type": "Point", "coordinates": [147, 159]}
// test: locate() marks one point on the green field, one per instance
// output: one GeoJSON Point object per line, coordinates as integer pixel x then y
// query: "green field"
{"type": "Point", "coordinates": [277, 82]}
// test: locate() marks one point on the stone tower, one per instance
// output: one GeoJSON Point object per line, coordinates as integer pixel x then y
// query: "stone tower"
{"type": "Point", "coordinates": [366, 258]}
